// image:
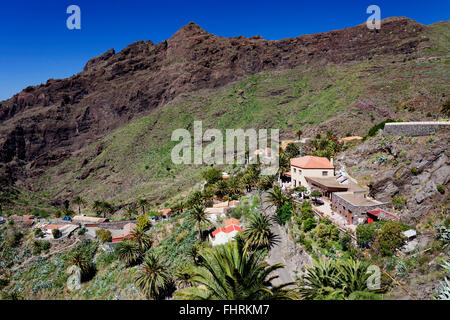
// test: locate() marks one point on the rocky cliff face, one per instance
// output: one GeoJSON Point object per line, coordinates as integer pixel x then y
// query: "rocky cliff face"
{"type": "Point", "coordinates": [43, 125]}
{"type": "Point", "coordinates": [404, 167]}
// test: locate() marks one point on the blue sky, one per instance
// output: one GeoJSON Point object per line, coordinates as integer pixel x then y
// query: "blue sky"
{"type": "Point", "coordinates": [36, 45]}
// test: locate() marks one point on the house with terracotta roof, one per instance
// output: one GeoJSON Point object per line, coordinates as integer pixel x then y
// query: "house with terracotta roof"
{"type": "Point", "coordinates": [126, 234]}
{"type": "Point", "coordinates": [310, 166]}
{"type": "Point", "coordinates": [223, 235]}
{"type": "Point", "coordinates": [352, 138]}
{"type": "Point", "coordinates": [232, 222]}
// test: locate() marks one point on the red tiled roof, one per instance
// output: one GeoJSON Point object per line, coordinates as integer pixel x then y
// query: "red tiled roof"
{"type": "Point", "coordinates": [380, 212]}
{"type": "Point", "coordinates": [217, 231]}
{"type": "Point", "coordinates": [312, 162]}
{"type": "Point", "coordinates": [120, 238]}
{"type": "Point", "coordinates": [226, 230]}
{"type": "Point", "coordinates": [232, 228]}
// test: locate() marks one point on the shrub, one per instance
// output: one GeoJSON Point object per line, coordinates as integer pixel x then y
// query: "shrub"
{"type": "Point", "coordinates": [56, 233]}
{"type": "Point", "coordinates": [82, 231]}
{"type": "Point", "coordinates": [414, 171]}
{"type": "Point", "coordinates": [309, 224]}
{"type": "Point", "coordinates": [104, 235]}
{"type": "Point", "coordinates": [284, 213]}
{"type": "Point", "coordinates": [398, 202]}
{"type": "Point", "coordinates": [236, 214]}
{"type": "Point", "coordinates": [440, 188]}
{"type": "Point", "coordinates": [389, 238]}
{"type": "Point", "coordinates": [212, 175]}
{"type": "Point", "coordinates": [143, 222]}
{"type": "Point", "coordinates": [345, 241]}
{"type": "Point", "coordinates": [38, 233]}
{"type": "Point", "coordinates": [366, 233]}
{"type": "Point", "coordinates": [375, 129]}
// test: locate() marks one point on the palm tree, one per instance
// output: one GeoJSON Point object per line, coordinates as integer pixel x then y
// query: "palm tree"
{"type": "Point", "coordinates": [130, 211]}
{"type": "Point", "coordinates": [129, 252]}
{"type": "Point", "coordinates": [79, 201]}
{"type": "Point", "coordinates": [80, 259]}
{"type": "Point", "coordinates": [234, 186]}
{"type": "Point", "coordinates": [299, 134]}
{"type": "Point", "coordinates": [277, 197]}
{"type": "Point", "coordinates": [106, 207]}
{"type": "Point", "coordinates": [283, 163]}
{"type": "Point", "coordinates": [221, 188]}
{"type": "Point", "coordinates": [143, 240]}
{"type": "Point", "coordinates": [183, 277]}
{"type": "Point", "coordinates": [229, 272]}
{"type": "Point", "coordinates": [199, 216]}
{"type": "Point", "coordinates": [97, 206]}
{"type": "Point", "coordinates": [258, 234]}
{"type": "Point", "coordinates": [153, 278]}
{"type": "Point", "coordinates": [142, 202]}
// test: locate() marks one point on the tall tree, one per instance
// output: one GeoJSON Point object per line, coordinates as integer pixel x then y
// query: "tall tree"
{"type": "Point", "coordinates": [79, 202]}
{"type": "Point", "coordinates": [142, 202]}
{"type": "Point", "coordinates": [276, 196]}
{"type": "Point", "coordinates": [199, 216]}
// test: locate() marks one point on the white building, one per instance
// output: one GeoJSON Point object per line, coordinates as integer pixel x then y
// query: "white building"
{"type": "Point", "coordinates": [309, 166]}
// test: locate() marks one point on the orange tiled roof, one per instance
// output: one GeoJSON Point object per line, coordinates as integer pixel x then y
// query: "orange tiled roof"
{"type": "Point", "coordinates": [312, 162]}
{"type": "Point", "coordinates": [231, 221]}
{"type": "Point", "coordinates": [164, 211]}
{"type": "Point", "coordinates": [350, 138]}
{"type": "Point", "coordinates": [52, 226]}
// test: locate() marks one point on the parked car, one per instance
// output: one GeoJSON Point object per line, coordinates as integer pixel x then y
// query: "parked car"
{"type": "Point", "coordinates": [2, 220]}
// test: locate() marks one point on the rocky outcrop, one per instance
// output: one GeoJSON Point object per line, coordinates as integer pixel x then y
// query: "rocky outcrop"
{"type": "Point", "coordinates": [414, 169]}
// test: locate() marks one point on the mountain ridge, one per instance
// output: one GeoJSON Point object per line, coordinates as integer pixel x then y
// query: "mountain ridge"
{"type": "Point", "coordinates": [43, 125]}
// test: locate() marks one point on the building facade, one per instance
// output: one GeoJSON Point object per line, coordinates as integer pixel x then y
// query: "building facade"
{"type": "Point", "coordinates": [309, 166]}
{"type": "Point", "coordinates": [354, 206]}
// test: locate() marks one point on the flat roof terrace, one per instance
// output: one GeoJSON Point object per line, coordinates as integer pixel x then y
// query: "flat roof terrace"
{"type": "Point", "coordinates": [331, 184]}
{"type": "Point", "coordinates": [358, 199]}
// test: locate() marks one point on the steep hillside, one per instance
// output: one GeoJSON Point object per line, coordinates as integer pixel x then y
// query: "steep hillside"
{"type": "Point", "coordinates": [105, 133]}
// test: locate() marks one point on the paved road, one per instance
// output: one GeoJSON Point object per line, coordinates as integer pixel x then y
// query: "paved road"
{"type": "Point", "coordinates": [277, 253]}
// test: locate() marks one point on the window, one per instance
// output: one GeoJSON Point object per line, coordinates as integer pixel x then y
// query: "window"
{"type": "Point", "coordinates": [295, 170]}
{"type": "Point", "coordinates": [324, 173]}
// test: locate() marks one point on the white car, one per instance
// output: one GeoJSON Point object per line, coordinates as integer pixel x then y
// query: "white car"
{"type": "Point", "coordinates": [2, 220]}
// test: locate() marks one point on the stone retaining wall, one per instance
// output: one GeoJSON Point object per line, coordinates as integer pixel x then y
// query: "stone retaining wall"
{"type": "Point", "coordinates": [414, 129]}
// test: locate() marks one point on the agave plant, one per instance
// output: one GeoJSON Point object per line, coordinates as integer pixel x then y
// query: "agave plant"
{"type": "Point", "coordinates": [443, 291]}
{"type": "Point", "coordinates": [333, 279]}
